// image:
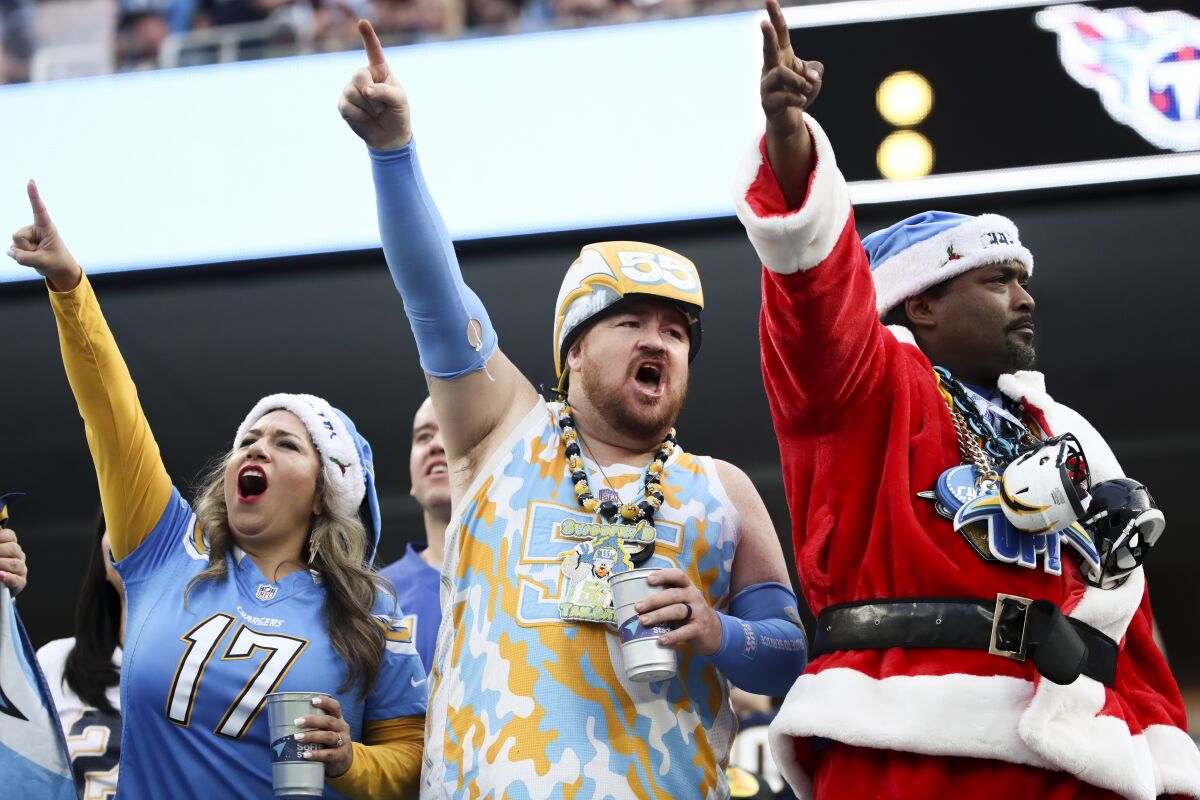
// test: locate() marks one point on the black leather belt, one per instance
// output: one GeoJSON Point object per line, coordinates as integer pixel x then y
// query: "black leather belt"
{"type": "Point", "coordinates": [1013, 627]}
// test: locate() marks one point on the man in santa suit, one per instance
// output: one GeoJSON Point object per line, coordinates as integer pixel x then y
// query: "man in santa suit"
{"type": "Point", "coordinates": [953, 658]}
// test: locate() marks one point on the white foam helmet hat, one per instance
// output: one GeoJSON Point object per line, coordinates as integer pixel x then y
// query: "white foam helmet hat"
{"type": "Point", "coordinates": [1038, 491]}
{"type": "Point", "coordinates": [606, 274]}
{"type": "Point", "coordinates": [345, 454]}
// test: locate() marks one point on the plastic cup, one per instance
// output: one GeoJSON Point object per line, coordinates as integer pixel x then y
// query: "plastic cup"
{"type": "Point", "coordinates": [291, 775]}
{"type": "Point", "coordinates": [644, 659]}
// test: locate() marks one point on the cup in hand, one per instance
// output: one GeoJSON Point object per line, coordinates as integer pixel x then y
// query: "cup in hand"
{"type": "Point", "coordinates": [291, 774]}
{"type": "Point", "coordinates": [645, 660]}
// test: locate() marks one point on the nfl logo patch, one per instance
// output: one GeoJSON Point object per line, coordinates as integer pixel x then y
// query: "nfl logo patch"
{"type": "Point", "coordinates": [266, 591]}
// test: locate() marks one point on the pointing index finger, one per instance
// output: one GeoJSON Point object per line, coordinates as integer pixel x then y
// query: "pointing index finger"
{"type": "Point", "coordinates": [779, 23]}
{"type": "Point", "coordinates": [770, 47]}
{"type": "Point", "coordinates": [375, 59]}
{"type": "Point", "coordinates": [41, 217]}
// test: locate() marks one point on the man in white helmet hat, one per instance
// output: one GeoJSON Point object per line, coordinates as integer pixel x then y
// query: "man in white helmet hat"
{"type": "Point", "coordinates": [529, 694]}
{"type": "Point", "coordinates": [967, 644]}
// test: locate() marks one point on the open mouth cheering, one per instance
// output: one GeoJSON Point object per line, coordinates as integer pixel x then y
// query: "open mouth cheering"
{"type": "Point", "coordinates": [251, 483]}
{"type": "Point", "coordinates": [649, 377]}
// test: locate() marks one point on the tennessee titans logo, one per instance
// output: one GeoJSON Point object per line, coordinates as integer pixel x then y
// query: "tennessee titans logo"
{"type": "Point", "coordinates": [266, 591]}
{"type": "Point", "coordinates": [1145, 67]}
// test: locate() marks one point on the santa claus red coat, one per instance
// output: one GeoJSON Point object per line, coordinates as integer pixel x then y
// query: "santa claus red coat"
{"type": "Point", "coordinates": [862, 429]}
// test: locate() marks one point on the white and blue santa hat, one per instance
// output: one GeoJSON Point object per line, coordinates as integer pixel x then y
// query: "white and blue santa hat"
{"type": "Point", "coordinates": [345, 454]}
{"type": "Point", "coordinates": [934, 246]}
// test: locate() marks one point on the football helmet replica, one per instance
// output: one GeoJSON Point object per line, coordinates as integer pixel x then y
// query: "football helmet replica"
{"type": "Point", "coordinates": [1043, 490]}
{"type": "Point", "coordinates": [607, 274]}
{"type": "Point", "coordinates": [1126, 523]}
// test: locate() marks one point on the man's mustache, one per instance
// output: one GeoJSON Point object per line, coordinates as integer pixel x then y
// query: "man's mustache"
{"type": "Point", "coordinates": [1021, 321]}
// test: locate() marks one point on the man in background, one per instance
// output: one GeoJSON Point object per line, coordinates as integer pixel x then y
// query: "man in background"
{"type": "Point", "coordinates": [416, 574]}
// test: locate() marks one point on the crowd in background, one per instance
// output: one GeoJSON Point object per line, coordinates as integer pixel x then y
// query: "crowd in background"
{"type": "Point", "coordinates": [48, 39]}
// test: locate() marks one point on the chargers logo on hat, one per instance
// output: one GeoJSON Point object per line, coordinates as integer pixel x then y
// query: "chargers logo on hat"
{"type": "Point", "coordinates": [606, 273]}
{"type": "Point", "coordinates": [1145, 67]}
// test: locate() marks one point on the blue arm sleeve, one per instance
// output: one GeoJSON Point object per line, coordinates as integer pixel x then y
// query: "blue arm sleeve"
{"type": "Point", "coordinates": [763, 648]}
{"type": "Point", "coordinates": [425, 270]}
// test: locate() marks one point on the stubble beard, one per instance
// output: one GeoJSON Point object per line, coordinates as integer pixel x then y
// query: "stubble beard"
{"type": "Point", "coordinates": [654, 419]}
{"type": "Point", "coordinates": [1020, 356]}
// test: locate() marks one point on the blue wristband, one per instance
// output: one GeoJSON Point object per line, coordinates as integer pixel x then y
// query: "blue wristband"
{"type": "Point", "coordinates": [420, 256]}
{"type": "Point", "coordinates": [763, 647]}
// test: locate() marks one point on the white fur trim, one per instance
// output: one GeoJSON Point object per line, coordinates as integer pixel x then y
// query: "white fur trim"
{"type": "Point", "coordinates": [1111, 610]}
{"type": "Point", "coordinates": [335, 445]}
{"type": "Point", "coordinates": [1176, 760]}
{"type": "Point", "coordinates": [903, 335]}
{"type": "Point", "coordinates": [1096, 749]}
{"type": "Point", "coordinates": [799, 240]}
{"type": "Point", "coordinates": [986, 239]}
{"type": "Point", "coordinates": [1053, 727]}
{"type": "Point", "coordinates": [1026, 383]}
{"type": "Point", "coordinates": [961, 715]}
{"type": "Point", "coordinates": [1041, 724]}
{"type": "Point", "coordinates": [783, 752]}
{"type": "Point", "coordinates": [1062, 722]}
{"type": "Point", "coordinates": [1030, 387]}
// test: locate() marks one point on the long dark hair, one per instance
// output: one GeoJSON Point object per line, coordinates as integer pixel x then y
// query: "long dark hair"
{"type": "Point", "coordinates": [89, 670]}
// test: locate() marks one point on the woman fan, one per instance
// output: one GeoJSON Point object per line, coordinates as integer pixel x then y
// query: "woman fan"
{"type": "Point", "coordinates": [264, 589]}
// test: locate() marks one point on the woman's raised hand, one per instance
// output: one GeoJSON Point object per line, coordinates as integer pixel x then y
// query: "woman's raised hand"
{"type": "Point", "coordinates": [39, 246]}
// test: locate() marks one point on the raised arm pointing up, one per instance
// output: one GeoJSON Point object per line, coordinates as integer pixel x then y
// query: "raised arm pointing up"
{"type": "Point", "coordinates": [788, 88]}
{"type": "Point", "coordinates": [471, 382]}
{"type": "Point", "coordinates": [373, 103]}
{"type": "Point", "coordinates": [39, 246]}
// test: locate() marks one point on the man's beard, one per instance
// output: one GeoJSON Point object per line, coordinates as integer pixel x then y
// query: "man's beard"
{"type": "Point", "coordinates": [646, 426]}
{"type": "Point", "coordinates": [1019, 356]}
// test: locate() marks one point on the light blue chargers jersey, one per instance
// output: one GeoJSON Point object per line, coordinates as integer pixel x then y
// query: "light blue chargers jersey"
{"type": "Point", "coordinates": [195, 676]}
{"type": "Point", "coordinates": [418, 590]}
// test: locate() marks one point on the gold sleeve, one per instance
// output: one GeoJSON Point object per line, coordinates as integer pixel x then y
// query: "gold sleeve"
{"type": "Point", "coordinates": [387, 763]}
{"type": "Point", "coordinates": [134, 485]}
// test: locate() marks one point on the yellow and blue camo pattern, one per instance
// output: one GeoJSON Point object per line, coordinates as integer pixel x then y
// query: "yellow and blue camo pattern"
{"type": "Point", "coordinates": [525, 705]}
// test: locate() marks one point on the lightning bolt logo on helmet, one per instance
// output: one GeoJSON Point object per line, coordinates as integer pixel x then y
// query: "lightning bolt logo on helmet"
{"type": "Point", "coordinates": [607, 273]}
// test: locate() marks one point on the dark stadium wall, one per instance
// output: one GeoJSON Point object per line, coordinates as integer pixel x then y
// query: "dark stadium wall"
{"type": "Point", "coordinates": [1114, 280]}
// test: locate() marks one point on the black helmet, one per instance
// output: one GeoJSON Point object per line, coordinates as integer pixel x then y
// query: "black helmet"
{"type": "Point", "coordinates": [1126, 523]}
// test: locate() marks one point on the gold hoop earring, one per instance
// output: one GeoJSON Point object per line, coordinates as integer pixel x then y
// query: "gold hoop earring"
{"type": "Point", "coordinates": [314, 547]}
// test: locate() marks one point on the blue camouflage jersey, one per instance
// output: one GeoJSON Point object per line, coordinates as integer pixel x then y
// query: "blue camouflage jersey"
{"type": "Point", "coordinates": [526, 705]}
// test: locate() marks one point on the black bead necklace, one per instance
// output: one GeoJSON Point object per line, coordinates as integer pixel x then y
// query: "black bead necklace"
{"type": "Point", "coordinates": [629, 513]}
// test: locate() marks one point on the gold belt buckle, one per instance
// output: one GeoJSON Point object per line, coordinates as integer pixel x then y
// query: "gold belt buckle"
{"type": "Point", "coordinates": [1024, 602]}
